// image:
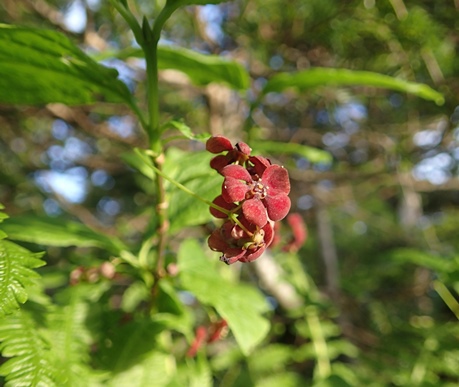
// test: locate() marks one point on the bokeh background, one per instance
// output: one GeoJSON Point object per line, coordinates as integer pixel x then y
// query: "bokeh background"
{"type": "Point", "coordinates": [381, 263]}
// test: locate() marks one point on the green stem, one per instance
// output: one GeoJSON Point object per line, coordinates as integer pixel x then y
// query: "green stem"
{"type": "Point", "coordinates": [130, 20]}
{"type": "Point", "coordinates": [447, 297]}
{"type": "Point", "coordinates": [152, 96]}
{"type": "Point", "coordinates": [319, 343]}
{"type": "Point", "coordinates": [163, 222]}
{"type": "Point", "coordinates": [150, 48]}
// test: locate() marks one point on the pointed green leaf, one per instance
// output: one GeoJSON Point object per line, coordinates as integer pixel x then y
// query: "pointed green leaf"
{"type": "Point", "coordinates": [182, 3]}
{"type": "Point", "coordinates": [314, 155]}
{"type": "Point", "coordinates": [307, 79]}
{"type": "Point", "coordinates": [240, 305]}
{"type": "Point", "coordinates": [422, 258]}
{"type": "Point", "coordinates": [202, 69]}
{"type": "Point", "coordinates": [16, 264]}
{"type": "Point", "coordinates": [40, 66]}
{"type": "Point", "coordinates": [187, 132]}
{"type": "Point", "coordinates": [58, 232]}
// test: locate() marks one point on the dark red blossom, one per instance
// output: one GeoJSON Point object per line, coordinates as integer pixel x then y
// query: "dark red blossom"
{"type": "Point", "coordinates": [263, 197]}
{"type": "Point", "coordinates": [254, 196]}
{"type": "Point", "coordinates": [237, 244]}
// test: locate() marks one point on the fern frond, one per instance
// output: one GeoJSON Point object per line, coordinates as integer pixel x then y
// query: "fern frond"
{"type": "Point", "coordinates": [16, 264]}
{"type": "Point", "coordinates": [71, 337]}
{"type": "Point", "coordinates": [32, 363]}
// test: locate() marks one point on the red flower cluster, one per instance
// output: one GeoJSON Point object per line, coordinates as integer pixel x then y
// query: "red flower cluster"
{"type": "Point", "coordinates": [254, 196]}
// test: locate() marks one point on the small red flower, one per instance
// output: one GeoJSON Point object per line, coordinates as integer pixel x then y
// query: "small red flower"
{"type": "Point", "coordinates": [263, 198]}
{"type": "Point", "coordinates": [236, 244]}
{"type": "Point", "coordinates": [254, 195]}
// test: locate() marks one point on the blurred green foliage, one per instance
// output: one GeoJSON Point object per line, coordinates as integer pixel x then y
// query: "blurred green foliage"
{"type": "Point", "coordinates": [371, 297]}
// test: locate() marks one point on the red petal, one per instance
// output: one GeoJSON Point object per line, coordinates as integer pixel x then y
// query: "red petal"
{"type": "Point", "coordinates": [232, 255]}
{"type": "Point", "coordinates": [259, 164]}
{"type": "Point", "coordinates": [256, 254]}
{"type": "Point", "coordinates": [243, 148]}
{"type": "Point", "coordinates": [277, 206]}
{"type": "Point", "coordinates": [218, 144]}
{"type": "Point", "coordinates": [216, 241]}
{"type": "Point", "coordinates": [255, 212]}
{"type": "Point", "coordinates": [219, 201]}
{"type": "Point", "coordinates": [269, 232]}
{"type": "Point", "coordinates": [219, 162]}
{"type": "Point", "coordinates": [234, 190]}
{"type": "Point", "coordinates": [237, 172]}
{"type": "Point", "coordinates": [275, 178]}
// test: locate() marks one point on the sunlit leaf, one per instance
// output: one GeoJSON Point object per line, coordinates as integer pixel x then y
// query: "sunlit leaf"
{"type": "Point", "coordinates": [203, 69]}
{"type": "Point", "coordinates": [16, 274]}
{"type": "Point", "coordinates": [31, 362]}
{"type": "Point", "coordinates": [422, 258]}
{"type": "Point", "coordinates": [58, 232]}
{"type": "Point", "coordinates": [307, 79]}
{"type": "Point", "coordinates": [192, 170]}
{"type": "Point", "coordinates": [240, 305]}
{"type": "Point", "coordinates": [314, 155]}
{"type": "Point", "coordinates": [200, 68]}
{"type": "Point", "coordinates": [40, 66]}
{"type": "Point", "coordinates": [182, 3]}
{"type": "Point", "coordinates": [187, 132]}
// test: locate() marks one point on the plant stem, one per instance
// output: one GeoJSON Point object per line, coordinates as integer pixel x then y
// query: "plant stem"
{"type": "Point", "coordinates": [447, 297]}
{"type": "Point", "coordinates": [152, 96]}
{"type": "Point", "coordinates": [130, 20]}
{"type": "Point", "coordinates": [319, 343]}
{"type": "Point", "coordinates": [163, 222]}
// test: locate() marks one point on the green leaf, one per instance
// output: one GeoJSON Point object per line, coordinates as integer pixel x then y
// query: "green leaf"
{"type": "Point", "coordinates": [41, 66]}
{"type": "Point", "coordinates": [155, 369]}
{"type": "Point", "coordinates": [305, 80]}
{"type": "Point", "coordinates": [284, 379]}
{"type": "Point", "coordinates": [58, 232]}
{"type": "Point", "coordinates": [135, 357]}
{"type": "Point", "coordinates": [32, 363]}
{"type": "Point", "coordinates": [70, 336]}
{"type": "Point", "coordinates": [239, 304]}
{"type": "Point", "coordinates": [422, 258]}
{"type": "Point", "coordinates": [3, 216]}
{"type": "Point", "coordinates": [314, 155]}
{"type": "Point", "coordinates": [187, 132]}
{"type": "Point", "coordinates": [270, 358]}
{"type": "Point", "coordinates": [171, 311]}
{"type": "Point", "coordinates": [193, 171]}
{"type": "Point", "coordinates": [202, 69]}
{"type": "Point", "coordinates": [182, 3]}
{"type": "Point", "coordinates": [16, 274]}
